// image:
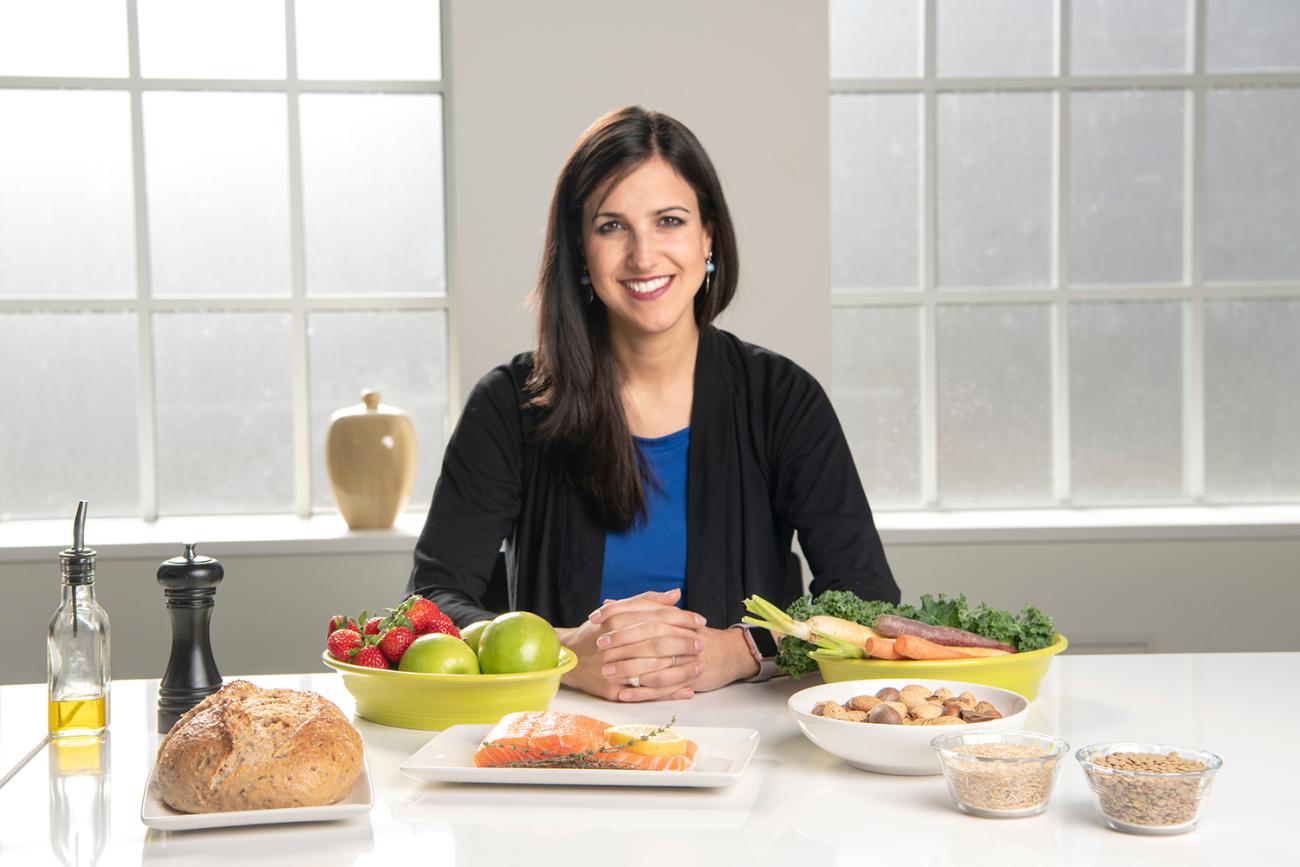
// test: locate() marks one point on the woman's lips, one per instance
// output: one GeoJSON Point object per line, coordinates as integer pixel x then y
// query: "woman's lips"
{"type": "Point", "coordinates": [647, 289]}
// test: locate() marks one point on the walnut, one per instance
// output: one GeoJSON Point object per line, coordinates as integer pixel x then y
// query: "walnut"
{"type": "Point", "coordinates": [943, 693]}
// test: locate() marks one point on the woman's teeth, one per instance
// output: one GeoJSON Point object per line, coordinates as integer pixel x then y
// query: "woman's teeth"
{"type": "Point", "coordinates": [642, 287]}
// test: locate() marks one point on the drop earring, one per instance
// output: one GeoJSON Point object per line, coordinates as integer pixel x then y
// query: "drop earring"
{"type": "Point", "coordinates": [585, 279]}
{"type": "Point", "coordinates": [709, 268]}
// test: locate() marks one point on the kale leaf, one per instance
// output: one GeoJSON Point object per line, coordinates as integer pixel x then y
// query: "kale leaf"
{"type": "Point", "coordinates": [792, 653]}
{"type": "Point", "coordinates": [1036, 629]}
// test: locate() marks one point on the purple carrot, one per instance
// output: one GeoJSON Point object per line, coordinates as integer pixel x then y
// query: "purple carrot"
{"type": "Point", "coordinates": [892, 626]}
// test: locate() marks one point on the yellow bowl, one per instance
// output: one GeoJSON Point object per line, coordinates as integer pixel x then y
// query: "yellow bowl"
{"type": "Point", "coordinates": [411, 700]}
{"type": "Point", "coordinates": [1018, 672]}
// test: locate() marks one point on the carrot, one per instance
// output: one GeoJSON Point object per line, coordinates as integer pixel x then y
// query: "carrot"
{"type": "Point", "coordinates": [913, 647]}
{"type": "Point", "coordinates": [984, 651]}
{"type": "Point", "coordinates": [882, 648]}
{"type": "Point", "coordinates": [892, 626]}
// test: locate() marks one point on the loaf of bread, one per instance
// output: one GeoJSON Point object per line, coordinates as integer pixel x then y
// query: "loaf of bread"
{"type": "Point", "coordinates": [246, 748]}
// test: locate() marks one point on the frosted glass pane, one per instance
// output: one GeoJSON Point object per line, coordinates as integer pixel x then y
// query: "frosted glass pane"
{"type": "Point", "coordinates": [217, 169]}
{"type": "Point", "coordinates": [875, 190]}
{"type": "Point", "coordinates": [69, 415]}
{"type": "Point", "coordinates": [67, 211]}
{"type": "Point", "coordinates": [995, 405]}
{"type": "Point", "coordinates": [84, 38]}
{"type": "Point", "coordinates": [875, 38]}
{"type": "Point", "coordinates": [995, 189]}
{"type": "Point", "coordinates": [1117, 36]}
{"type": "Point", "coordinates": [1126, 186]}
{"type": "Point", "coordinates": [211, 38]}
{"type": "Point", "coordinates": [1252, 185]}
{"type": "Point", "coordinates": [1258, 35]}
{"type": "Point", "coordinates": [224, 412]}
{"type": "Point", "coordinates": [1252, 404]}
{"type": "Point", "coordinates": [377, 39]}
{"type": "Point", "coordinates": [876, 389]}
{"type": "Point", "coordinates": [995, 37]}
{"type": "Point", "coordinates": [1126, 407]}
{"type": "Point", "coordinates": [372, 193]}
{"type": "Point", "coordinates": [400, 354]}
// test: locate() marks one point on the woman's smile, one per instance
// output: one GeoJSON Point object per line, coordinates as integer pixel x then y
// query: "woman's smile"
{"type": "Point", "coordinates": [647, 288]}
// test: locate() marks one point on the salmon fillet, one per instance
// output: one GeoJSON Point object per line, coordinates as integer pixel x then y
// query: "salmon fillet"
{"type": "Point", "coordinates": [532, 736]}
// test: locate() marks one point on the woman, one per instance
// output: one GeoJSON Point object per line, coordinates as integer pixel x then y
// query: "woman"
{"type": "Point", "coordinates": [640, 456]}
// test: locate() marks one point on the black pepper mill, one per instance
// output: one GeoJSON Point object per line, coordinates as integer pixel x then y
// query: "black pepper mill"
{"type": "Point", "coordinates": [191, 588]}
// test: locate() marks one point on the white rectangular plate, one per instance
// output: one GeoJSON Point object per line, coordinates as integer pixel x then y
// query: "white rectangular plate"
{"type": "Point", "coordinates": [449, 758]}
{"type": "Point", "coordinates": [156, 814]}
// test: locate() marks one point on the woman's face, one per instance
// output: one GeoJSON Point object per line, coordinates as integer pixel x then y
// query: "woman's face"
{"type": "Point", "coordinates": [645, 249]}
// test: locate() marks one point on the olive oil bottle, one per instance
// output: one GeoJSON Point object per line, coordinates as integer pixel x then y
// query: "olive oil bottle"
{"type": "Point", "coordinates": [77, 647]}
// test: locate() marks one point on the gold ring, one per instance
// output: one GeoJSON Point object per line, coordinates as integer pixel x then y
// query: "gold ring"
{"type": "Point", "coordinates": [634, 681]}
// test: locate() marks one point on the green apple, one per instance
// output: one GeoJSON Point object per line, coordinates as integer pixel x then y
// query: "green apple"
{"type": "Point", "coordinates": [472, 633]}
{"type": "Point", "coordinates": [518, 641]}
{"type": "Point", "coordinates": [437, 653]}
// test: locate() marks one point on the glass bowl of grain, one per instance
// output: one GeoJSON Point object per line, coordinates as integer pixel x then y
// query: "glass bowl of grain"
{"type": "Point", "coordinates": [1000, 775]}
{"type": "Point", "coordinates": [1145, 788]}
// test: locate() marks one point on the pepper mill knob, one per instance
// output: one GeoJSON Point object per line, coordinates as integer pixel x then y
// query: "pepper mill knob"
{"type": "Point", "coordinates": [190, 588]}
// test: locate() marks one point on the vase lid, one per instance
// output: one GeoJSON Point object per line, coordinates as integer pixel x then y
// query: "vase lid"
{"type": "Point", "coordinates": [369, 405]}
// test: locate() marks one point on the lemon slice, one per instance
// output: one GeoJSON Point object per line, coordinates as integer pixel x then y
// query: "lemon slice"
{"type": "Point", "coordinates": [665, 743]}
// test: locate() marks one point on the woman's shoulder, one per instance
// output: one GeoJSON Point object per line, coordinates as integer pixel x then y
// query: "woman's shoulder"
{"type": "Point", "coordinates": [755, 368]}
{"type": "Point", "coordinates": [507, 380]}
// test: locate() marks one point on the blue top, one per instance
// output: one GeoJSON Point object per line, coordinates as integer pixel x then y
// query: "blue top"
{"type": "Point", "coordinates": [652, 555]}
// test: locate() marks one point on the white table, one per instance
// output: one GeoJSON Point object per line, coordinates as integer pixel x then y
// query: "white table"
{"type": "Point", "coordinates": [795, 805]}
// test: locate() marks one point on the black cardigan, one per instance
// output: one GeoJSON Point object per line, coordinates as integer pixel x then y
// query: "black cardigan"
{"type": "Point", "coordinates": [767, 458]}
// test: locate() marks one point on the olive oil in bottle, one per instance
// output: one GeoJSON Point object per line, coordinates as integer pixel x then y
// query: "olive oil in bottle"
{"type": "Point", "coordinates": [77, 646]}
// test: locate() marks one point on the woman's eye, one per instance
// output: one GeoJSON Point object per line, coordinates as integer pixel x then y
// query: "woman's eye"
{"type": "Point", "coordinates": [611, 226]}
{"type": "Point", "coordinates": [672, 221]}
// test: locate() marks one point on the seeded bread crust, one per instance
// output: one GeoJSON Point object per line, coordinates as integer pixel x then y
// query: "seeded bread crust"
{"type": "Point", "coordinates": [246, 748]}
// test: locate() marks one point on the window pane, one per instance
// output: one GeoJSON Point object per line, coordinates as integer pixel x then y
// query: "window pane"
{"type": "Point", "coordinates": [400, 354]}
{"type": "Point", "coordinates": [63, 38]}
{"type": "Point", "coordinates": [372, 193]}
{"type": "Point", "coordinates": [67, 211]}
{"type": "Point", "coordinates": [876, 388]}
{"type": "Point", "coordinates": [224, 412]}
{"type": "Point", "coordinates": [1126, 407]}
{"type": "Point", "coordinates": [377, 39]}
{"type": "Point", "coordinates": [1126, 187]}
{"type": "Point", "coordinates": [1252, 405]}
{"type": "Point", "coordinates": [995, 189]}
{"type": "Point", "coordinates": [1117, 36]}
{"type": "Point", "coordinates": [995, 37]}
{"type": "Point", "coordinates": [218, 179]}
{"type": "Point", "coordinates": [995, 406]}
{"type": "Point", "coordinates": [875, 190]}
{"type": "Point", "coordinates": [1252, 185]}
{"type": "Point", "coordinates": [1252, 35]}
{"type": "Point", "coordinates": [211, 38]}
{"type": "Point", "coordinates": [875, 38]}
{"type": "Point", "coordinates": [69, 430]}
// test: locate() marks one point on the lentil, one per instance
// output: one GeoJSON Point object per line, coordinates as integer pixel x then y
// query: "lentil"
{"type": "Point", "coordinates": [1152, 801]}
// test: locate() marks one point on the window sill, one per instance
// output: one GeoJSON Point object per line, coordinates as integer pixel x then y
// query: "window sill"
{"type": "Point", "coordinates": [241, 535]}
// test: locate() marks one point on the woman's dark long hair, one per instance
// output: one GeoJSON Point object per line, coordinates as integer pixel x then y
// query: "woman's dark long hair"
{"type": "Point", "coordinates": [575, 380]}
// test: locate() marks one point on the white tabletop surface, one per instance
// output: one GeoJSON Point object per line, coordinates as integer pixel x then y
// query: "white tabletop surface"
{"type": "Point", "coordinates": [794, 806]}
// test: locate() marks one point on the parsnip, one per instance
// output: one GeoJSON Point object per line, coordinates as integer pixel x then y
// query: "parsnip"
{"type": "Point", "coordinates": [832, 634]}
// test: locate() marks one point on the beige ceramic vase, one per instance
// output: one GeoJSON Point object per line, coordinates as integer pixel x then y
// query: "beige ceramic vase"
{"type": "Point", "coordinates": [370, 454]}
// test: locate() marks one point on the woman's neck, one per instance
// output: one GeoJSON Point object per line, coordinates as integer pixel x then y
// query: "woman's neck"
{"type": "Point", "coordinates": [658, 384]}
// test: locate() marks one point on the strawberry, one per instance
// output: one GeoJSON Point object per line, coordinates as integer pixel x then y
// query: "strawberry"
{"type": "Point", "coordinates": [442, 623]}
{"type": "Point", "coordinates": [372, 625]}
{"type": "Point", "coordinates": [395, 641]}
{"type": "Point", "coordinates": [342, 642]}
{"type": "Point", "coordinates": [370, 656]}
{"type": "Point", "coordinates": [421, 613]}
{"type": "Point", "coordinates": [339, 621]}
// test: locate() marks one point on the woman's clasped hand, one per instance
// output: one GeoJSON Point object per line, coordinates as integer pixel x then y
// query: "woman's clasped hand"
{"type": "Point", "coordinates": [645, 648]}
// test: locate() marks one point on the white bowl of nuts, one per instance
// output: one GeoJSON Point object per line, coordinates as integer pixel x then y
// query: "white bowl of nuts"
{"type": "Point", "coordinates": [886, 726]}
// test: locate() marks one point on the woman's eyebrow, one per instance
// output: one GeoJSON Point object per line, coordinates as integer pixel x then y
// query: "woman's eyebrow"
{"type": "Point", "coordinates": [617, 216]}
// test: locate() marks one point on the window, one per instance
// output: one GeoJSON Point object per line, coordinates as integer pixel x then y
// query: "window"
{"type": "Point", "coordinates": [220, 220]}
{"type": "Point", "coordinates": [1066, 250]}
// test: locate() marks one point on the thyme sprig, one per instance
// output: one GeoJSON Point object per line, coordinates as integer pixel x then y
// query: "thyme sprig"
{"type": "Point", "coordinates": [585, 759]}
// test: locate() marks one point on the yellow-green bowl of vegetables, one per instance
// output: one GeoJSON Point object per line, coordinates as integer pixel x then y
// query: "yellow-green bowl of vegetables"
{"type": "Point", "coordinates": [1018, 672]}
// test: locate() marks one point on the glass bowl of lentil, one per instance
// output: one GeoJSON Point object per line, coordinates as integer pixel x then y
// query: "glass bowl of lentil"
{"type": "Point", "coordinates": [1145, 788]}
{"type": "Point", "coordinates": [1000, 775]}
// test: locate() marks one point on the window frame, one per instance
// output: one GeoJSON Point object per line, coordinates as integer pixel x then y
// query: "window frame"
{"type": "Point", "coordinates": [1191, 293]}
{"type": "Point", "coordinates": [298, 303]}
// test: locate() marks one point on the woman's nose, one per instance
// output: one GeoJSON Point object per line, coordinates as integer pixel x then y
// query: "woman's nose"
{"type": "Point", "coordinates": [642, 252]}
